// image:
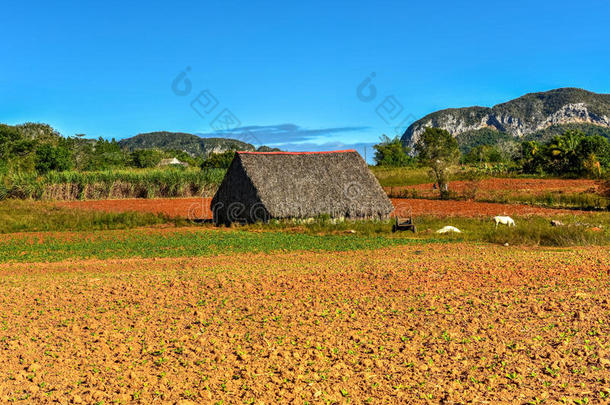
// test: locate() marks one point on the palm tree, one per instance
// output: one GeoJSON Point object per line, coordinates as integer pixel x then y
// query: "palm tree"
{"type": "Point", "coordinates": [563, 151]}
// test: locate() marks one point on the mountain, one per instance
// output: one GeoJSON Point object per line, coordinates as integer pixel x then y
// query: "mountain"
{"type": "Point", "coordinates": [536, 116]}
{"type": "Point", "coordinates": [189, 143]}
{"type": "Point", "coordinates": [34, 131]}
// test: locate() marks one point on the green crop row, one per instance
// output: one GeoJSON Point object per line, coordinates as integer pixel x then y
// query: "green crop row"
{"type": "Point", "coordinates": [130, 183]}
{"type": "Point", "coordinates": [185, 242]}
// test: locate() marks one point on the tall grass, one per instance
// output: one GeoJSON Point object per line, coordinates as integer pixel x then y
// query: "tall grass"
{"type": "Point", "coordinates": [588, 229]}
{"type": "Point", "coordinates": [400, 176]}
{"type": "Point", "coordinates": [37, 216]}
{"type": "Point", "coordinates": [582, 201]}
{"type": "Point", "coordinates": [131, 183]}
{"type": "Point", "coordinates": [409, 176]}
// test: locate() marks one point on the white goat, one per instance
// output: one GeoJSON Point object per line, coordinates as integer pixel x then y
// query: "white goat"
{"type": "Point", "coordinates": [448, 228]}
{"type": "Point", "coordinates": [508, 221]}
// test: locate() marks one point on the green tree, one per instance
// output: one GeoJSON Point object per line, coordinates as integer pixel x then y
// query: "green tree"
{"type": "Point", "coordinates": [533, 157]}
{"type": "Point", "coordinates": [219, 160]}
{"type": "Point", "coordinates": [9, 136]}
{"type": "Point", "coordinates": [484, 154]}
{"type": "Point", "coordinates": [16, 151]}
{"type": "Point", "coordinates": [438, 150]}
{"type": "Point", "coordinates": [49, 157]}
{"type": "Point", "coordinates": [392, 152]}
{"type": "Point", "coordinates": [144, 158]}
{"type": "Point", "coordinates": [82, 150]}
{"type": "Point", "coordinates": [596, 147]}
{"type": "Point", "coordinates": [562, 153]}
{"type": "Point", "coordinates": [106, 155]}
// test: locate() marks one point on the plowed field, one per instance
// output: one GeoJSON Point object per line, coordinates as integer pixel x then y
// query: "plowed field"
{"type": "Point", "coordinates": [200, 207]}
{"type": "Point", "coordinates": [505, 186]}
{"type": "Point", "coordinates": [172, 207]}
{"type": "Point", "coordinates": [470, 323]}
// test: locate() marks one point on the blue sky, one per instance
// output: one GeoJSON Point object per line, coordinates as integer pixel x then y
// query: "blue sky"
{"type": "Point", "coordinates": [287, 73]}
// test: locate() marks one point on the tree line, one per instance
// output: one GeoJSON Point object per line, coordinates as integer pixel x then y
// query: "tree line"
{"type": "Point", "coordinates": [38, 148]}
{"type": "Point", "coordinates": [571, 154]}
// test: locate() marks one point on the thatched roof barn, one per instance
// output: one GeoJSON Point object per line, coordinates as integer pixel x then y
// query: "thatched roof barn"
{"type": "Point", "coordinates": [259, 186]}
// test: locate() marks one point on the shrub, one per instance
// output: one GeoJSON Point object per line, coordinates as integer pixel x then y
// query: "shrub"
{"type": "Point", "coordinates": [49, 157]}
{"type": "Point", "coordinates": [219, 160]}
{"type": "Point", "coordinates": [146, 158]}
{"type": "Point", "coordinates": [392, 153]}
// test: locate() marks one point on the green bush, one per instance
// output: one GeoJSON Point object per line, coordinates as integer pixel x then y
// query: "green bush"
{"type": "Point", "coordinates": [570, 154]}
{"type": "Point", "coordinates": [146, 158]}
{"type": "Point", "coordinates": [392, 153]}
{"type": "Point", "coordinates": [219, 160]}
{"type": "Point", "coordinates": [49, 157]}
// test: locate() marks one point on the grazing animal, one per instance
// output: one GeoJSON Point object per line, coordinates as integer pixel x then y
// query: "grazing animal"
{"type": "Point", "coordinates": [448, 228]}
{"type": "Point", "coordinates": [508, 221]}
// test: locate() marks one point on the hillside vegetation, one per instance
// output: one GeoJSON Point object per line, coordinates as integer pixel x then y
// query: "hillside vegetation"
{"type": "Point", "coordinates": [189, 143]}
{"type": "Point", "coordinates": [37, 162]}
{"type": "Point", "coordinates": [534, 116]}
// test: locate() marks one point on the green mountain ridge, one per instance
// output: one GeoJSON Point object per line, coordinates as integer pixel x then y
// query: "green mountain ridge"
{"type": "Point", "coordinates": [192, 144]}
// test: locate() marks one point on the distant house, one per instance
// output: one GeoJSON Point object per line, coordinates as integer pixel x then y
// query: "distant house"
{"type": "Point", "coordinates": [260, 186]}
{"type": "Point", "coordinates": [172, 162]}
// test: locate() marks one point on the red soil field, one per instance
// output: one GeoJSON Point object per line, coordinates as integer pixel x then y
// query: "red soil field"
{"type": "Point", "coordinates": [489, 187]}
{"type": "Point", "coordinates": [196, 208]}
{"type": "Point", "coordinates": [172, 207]}
{"type": "Point", "coordinates": [410, 324]}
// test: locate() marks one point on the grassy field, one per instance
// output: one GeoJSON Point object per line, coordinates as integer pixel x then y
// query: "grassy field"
{"type": "Point", "coordinates": [181, 242]}
{"type": "Point", "coordinates": [180, 237]}
{"type": "Point", "coordinates": [36, 216]}
{"type": "Point", "coordinates": [400, 176]}
{"type": "Point", "coordinates": [205, 242]}
{"type": "Point", "coordinates": [582, 201]}
{"type": "Point", "coordinates": [149, 183]}
{"type": "Point", "coordinates": [103, 236]}
{"type": "Point", "coordinates": [589, 229]}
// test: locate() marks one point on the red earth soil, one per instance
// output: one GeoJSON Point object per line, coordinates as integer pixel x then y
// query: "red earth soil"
{"type": "Point", "coordinates": [457, 323]}
{"type": "Point", "coordinates": [504, 186]}
{"type": "Point", "coordinates": [173, 207]}
{"type": "Point", "coordinates": [197, 208]}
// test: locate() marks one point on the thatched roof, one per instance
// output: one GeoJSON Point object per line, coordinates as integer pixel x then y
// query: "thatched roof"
{"type": "Point", "coordinates": [264, 185]}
